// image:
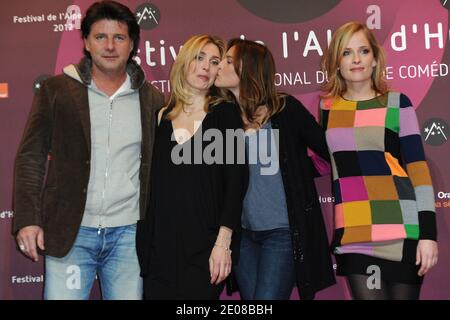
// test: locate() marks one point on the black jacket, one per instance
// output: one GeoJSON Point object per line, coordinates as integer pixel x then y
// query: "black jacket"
{"type": "Point", "coordinates": [59, 125]}
{"type": "Point", "coordinates": [226, 190]}
{"type": "Point", "coordinates": [298, 130]}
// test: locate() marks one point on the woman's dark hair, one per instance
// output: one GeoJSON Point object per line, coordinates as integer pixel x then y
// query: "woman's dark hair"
{"type": "Point", "coordinates": [111, 10]}
{"type": "Point", "coordinates": [255, 67]}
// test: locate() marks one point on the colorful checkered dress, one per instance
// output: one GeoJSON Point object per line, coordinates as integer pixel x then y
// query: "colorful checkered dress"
{"type": "Point", "coordinates": [384, 200]}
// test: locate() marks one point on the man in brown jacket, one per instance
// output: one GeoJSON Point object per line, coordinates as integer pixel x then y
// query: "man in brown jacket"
{"type": "Point", "coordinates": [90, 133]}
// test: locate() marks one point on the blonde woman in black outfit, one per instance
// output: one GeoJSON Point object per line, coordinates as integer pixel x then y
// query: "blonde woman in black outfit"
{"type": "Point", "coordinates": [187, 243]}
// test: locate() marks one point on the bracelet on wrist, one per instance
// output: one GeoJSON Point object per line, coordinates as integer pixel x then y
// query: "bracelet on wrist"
{"type": "Point", "coordinates": [227, 249]}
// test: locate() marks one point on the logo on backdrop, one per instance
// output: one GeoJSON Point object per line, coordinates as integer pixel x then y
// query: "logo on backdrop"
{"type": "Point", "coordinates": [147, 16]}
{"type": "Point", "coordinates": [3, 90]}
{"type": "Point", "coordinates": [6, 214]}
{"type": "Point", "coordinates": [288, 11]}
{"type": "Point", "coordinates": [24, 279]}
{"type": "Point", "coordinates": [443, 199]}
{"type": "Point", "coordinates": [38, 82]}
{"type": "Point", "coordinates": [443, 195]}
{"type": "Point", "coordinates": [435, 131]}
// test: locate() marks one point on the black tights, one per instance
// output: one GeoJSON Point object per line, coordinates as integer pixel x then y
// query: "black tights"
{"type": "Point", "coordinates": [387, 291]}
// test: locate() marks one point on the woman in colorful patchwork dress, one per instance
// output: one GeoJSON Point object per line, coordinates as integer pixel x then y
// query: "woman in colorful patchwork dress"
{"type": "Point", "coordinates": [385, 226]}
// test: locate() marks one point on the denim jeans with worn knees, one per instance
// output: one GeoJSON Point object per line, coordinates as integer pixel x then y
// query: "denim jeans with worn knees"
{"type": "Point", "coordinates": [110, 254]}
{"type": "Point", "coordinates": [266, 269]}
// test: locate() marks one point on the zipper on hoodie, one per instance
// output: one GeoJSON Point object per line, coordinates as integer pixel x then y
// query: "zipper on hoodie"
{"type": "Point", "coordinates": [108, 153]}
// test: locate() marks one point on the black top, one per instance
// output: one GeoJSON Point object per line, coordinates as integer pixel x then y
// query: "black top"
{"type": "Point", "coordinates": [298, 130]}
{"type": "Point", "coordinates": [190, 201]}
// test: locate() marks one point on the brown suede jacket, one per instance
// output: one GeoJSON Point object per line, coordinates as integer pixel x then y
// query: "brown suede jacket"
{"type": "Point", "coordinates": [57, 145]}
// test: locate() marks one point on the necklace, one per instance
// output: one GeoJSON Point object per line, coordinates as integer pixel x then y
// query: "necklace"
{"type": "Point", "coordinates": [188, 113]}
{"type": "Point", "coordinates": [191, 112]}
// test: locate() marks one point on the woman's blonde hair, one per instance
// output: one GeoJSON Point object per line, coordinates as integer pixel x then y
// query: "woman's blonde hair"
{"type": "Point", "coordinates": [336, 85]}
{"type": "Point", "coordinates": [180, 91]}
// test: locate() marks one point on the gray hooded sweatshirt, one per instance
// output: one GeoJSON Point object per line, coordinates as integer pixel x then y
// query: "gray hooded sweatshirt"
{"type": "Point", "coordinates": [113, 189]}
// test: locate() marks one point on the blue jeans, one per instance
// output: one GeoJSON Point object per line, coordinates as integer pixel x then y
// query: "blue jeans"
{"type": "Point", "coordinates": [111, 254]}
{"type": "Point", "coordinates": [266, 269]}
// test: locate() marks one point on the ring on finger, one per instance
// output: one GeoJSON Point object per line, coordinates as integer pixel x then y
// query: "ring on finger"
{"type": "Point", "coordinates": [22, 248]}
